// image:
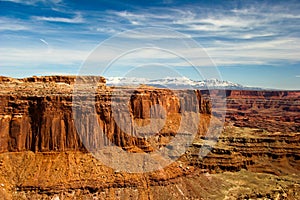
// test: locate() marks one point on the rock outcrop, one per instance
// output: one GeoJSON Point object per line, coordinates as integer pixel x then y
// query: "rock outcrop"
{"type": "Point", "coordinates": [37, 114]}
{"type": "Point", "coordinates": [46, 122]}
{"type": "Point", "coordinates": [269, 110]}
{"type": "Point", "coordinates": [247, 148]}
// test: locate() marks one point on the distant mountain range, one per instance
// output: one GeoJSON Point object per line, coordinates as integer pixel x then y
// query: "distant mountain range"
{"type": "Point", "coordinates": [177, 83]}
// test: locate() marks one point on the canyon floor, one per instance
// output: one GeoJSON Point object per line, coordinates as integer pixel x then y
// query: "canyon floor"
{"type": "Point", "coordinates": [256, 156]}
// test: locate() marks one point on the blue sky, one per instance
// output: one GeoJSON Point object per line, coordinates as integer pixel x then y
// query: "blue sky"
{"type": "Point", "coordinates": [254, 43]}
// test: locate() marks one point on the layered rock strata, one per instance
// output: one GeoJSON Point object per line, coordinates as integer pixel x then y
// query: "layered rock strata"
{"type": "Point", "coordinates": [43, 114]}
{"type": "Point", "coordinates": [269, 110]}
{"type": "Point", "coordinates": [43, 155]}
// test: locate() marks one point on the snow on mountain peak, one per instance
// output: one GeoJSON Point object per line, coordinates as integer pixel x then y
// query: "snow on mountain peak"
{"type": "Point", "coordinates": [173, 82]}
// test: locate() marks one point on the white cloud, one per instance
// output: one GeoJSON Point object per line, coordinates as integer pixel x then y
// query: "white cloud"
{"type": "Point", "coordinates": [103, 30]}
{"type": "Point", "coordinates": [77, 19]}
{"type": "Point", "coordinates": [145, 17]}
{"type": "Point", "coordinates": [34, 2]}
{"type": "Point", "coordinates": [247, 37]}
{"type": "Point", "coordinates": [7, 24]}
{"type": "Point", "coordinates": [29, 57]}
{"type": "Point", "coordinates": [26, 2]}
{"type": "Point", "coordinates": [12, 27]}
{"type": "Point", "coordinates": [256, 35]}
{"type": "Point", "coordinates": [254, 52]}
{"type": "Point", "coordinates": [253, 35]}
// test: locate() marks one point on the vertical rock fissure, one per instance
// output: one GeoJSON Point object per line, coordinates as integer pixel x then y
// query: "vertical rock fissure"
{"type": "Point", "coordinates": [36, 112]}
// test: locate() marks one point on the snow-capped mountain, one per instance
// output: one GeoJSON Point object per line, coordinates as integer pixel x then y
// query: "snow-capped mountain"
{"type": "Point", "coordinates": [173, 83]}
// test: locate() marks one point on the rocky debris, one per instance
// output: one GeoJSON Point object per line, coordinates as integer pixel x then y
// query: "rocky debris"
{"type": "Point", "coordinates": [71, 175]}
{"type": "Point", "coordinates": [248, 148]}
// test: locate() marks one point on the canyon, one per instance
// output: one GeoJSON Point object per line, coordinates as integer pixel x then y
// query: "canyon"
{"type": "Point", "coordinates": [242, 144]}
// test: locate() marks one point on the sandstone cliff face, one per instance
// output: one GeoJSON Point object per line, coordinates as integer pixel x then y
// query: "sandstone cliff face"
{"type": "Point", "coordinates": [42, 154]}
{"type": "Point", "coordinates": [269, 110]}
{"type": "Point", "coordinates": [38, 115]}
{"type": "Point", "coordinates": [37, 124]}
{"type": "Point", "coordinates": [253, 149]}
{"type": "Point", "coordinates": [53, 79]}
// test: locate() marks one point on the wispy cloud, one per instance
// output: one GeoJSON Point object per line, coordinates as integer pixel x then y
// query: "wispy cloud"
{"type": "Point", "coordinates": [12, 27]}
{"type": "Point", "coordinates": [8, 24]}
{"type": "Point", "coordinates": [258, 34]}
{"type": "Point", "coordinates": [26, 2]}
{"type": "Point", "coordinates": [33, 57]}
{"type": "Point", "coordinates": [33, 2]}
{"type": "Point", "coordinates": [262, 34]}
{"type": "Point", "coordinates": [77, 19]}
{"type": "Point", "coordinates": [259, 52]}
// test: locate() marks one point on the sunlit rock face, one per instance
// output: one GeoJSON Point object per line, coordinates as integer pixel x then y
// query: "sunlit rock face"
{"type": "Point", "coordinates": [37, 113]}
{"type": "Point", "coordinates": [43, 155]}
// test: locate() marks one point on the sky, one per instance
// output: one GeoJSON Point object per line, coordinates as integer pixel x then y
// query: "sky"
{"type": "Point", "coordinates": [253, 43]}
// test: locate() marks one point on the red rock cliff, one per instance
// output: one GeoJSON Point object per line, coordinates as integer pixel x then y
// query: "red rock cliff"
{"type": "Point", "coordinates": [36, 114]}
{"type": "Point", "coordinates": [271, 110]}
